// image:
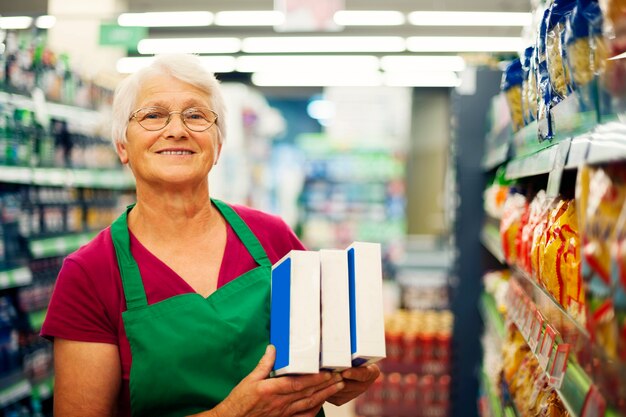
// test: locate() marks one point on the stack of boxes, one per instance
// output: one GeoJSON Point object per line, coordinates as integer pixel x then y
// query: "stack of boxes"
{"type": "Point", "coordinates": [327, 309]}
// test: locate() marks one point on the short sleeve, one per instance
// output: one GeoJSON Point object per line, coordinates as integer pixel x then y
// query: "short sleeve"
{"type": "Point", "coordinates": [76, 312]}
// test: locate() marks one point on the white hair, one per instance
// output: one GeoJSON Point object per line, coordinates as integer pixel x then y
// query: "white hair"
{"type": "Point", "coordinates": [184, 67]}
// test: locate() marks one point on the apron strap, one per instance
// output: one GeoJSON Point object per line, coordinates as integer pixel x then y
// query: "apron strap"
{"type": "Point", "coordinates": [244, 233]}
{"type": "Point", "coordinates": [129, 270]}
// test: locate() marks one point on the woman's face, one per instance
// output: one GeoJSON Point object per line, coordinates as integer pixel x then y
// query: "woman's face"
{"type": "Point", "coordinates": [174, 155]}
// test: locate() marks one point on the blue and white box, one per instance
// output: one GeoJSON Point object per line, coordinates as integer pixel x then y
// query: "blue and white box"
{"type": "Point", "coordinates": [295, 313]}
{"type": "Point", "coordinates": [335, 343]}
{"type": "Point", "coordinates": [367, 326]}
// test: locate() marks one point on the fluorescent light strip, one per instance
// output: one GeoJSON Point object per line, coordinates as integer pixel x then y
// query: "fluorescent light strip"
{"type": "Point", "coordinates": [15, 22]}
{"type": "Point", "coordinates": [218, 63]}
{"type": "Point", "coordinates": [284, 63]}
{"type": "Point", "coordinates": [314, 78]}
{"type": "Point", "coordinates": [305, 44]}
{"type": "Point", "coordinates": [421, 79]}
{"type": "Point", "coordinates": [464, 44]}
{"type": "Point", "coordinates": [369, 18]}
{"type": "Point", "coordinates": [420, 18]}
{"type": "Point", "coordinates": [421, 63]}
{"type": "Point", "coordinates": [189, 45]}
{"type": "Point", "coordinates": [166, 19]}
{"type": "Point", "coordinates": [45, 22]}
{"type": "Point", "coordinates": [249, 18]}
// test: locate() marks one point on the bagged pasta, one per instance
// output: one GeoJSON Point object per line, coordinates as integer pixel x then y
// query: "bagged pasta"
{"type": "Point", "coordinates": [614, 76]}
{"type": "Point", "coordinates": [586, 51]}
{"type": "Point", "coordinates": [601, 192]}
{"type": "Point", "coordinates": [529, 87]}
{"type": "Point", "coordinates": [541, 69]}
{"type": "Point", "coordinates": [560, 80]}
{"type": "Point", "coordinates": [512, 87]}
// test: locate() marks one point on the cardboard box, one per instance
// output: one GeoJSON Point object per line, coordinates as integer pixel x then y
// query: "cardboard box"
{"type": "Point", "coordinates": [295, 313]}
{"type": "Point", "coordinates": [367, 327]}
{"type": "Point", "coordinates": [335, 342]}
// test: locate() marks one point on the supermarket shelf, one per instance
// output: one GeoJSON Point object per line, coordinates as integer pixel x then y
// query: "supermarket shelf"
{"type": "Point", "coordinates": [14, 388]}
{"type": "Point", "coordinates": [495, 405]}
{"type": "Point", "coordinates": [605, 143]}
{"type": "Point", "coordinates": [490, 312]}
{"type": "Point", "coordinates": [56, 110]}
{"type": "Point", "coordinates": [15, 277]}
{"type": "Point", "coordinates": [490, 238]}
{"type": "Point", "coordinates": [538, 163]}
{"type": "Point", "coordinates": [59, 245]}
{"type": "Point", "coordinates": [67, 177]}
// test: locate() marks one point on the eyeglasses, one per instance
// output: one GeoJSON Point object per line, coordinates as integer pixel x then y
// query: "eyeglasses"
{"type": "Point", "coordinates": [197, 119]}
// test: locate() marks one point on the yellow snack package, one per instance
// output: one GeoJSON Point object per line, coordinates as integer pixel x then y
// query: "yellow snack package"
{"type": "Point", "coordinates": [602, 200]}
{"type": "Point", "coordinates": [510, 224]}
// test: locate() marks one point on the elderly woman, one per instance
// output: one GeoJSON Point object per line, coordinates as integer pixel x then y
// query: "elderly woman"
{"type": "Point", "coordinates": [165, 312]}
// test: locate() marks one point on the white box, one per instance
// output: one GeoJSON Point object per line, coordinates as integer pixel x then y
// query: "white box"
{"type": "Point", "coordinates": [295, 313]}
{"type": "Point", "coordinates": [335, 343]}
{"type": "Point", "coordinates": [367, 326]}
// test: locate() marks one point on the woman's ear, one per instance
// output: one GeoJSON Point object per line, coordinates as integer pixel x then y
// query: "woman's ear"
{"type": "Point", "coordinates": [218, 150]}
{"type": "Point", "coordinates": [120, 148]}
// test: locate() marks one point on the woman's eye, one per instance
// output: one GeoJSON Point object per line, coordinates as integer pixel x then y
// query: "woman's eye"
{"type": "Point", "coordinates": [154, 115]}
{"type": "Point", "coordinates": [194, 115]}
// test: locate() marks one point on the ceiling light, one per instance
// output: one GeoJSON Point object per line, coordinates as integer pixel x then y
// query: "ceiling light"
{"type": "Point", "coordinates": [218, 63]}
{"type": "Point", "coordinates": [421, 79]}
{"type": "Point", "coordinates": [162, 19]}
{"type": "Point", "coordinates": [249, 18]}
{"type": "Point", "coordinates": [315, 78]}
{"type": "Point", "coordinates": [321, 109]}
{"type": "Point", "coordinates": [369, 18]}
{"type": "Point", "coordinates": [261, 63]}
{"type": "Point", "coordinates": [45, 22]}
{"type": "Point", "coordinates": [464, 44]}
{"type": "Point", "coordinates": [15, 22]}
{"type": "Point", "coordinates": [422, 63]}
{"type": "Point", "coordinates": [189, 45]}
{"type": "Point", "coordinates": [279, 44]}
{"type": "Point", "coordinates": [470, 19]}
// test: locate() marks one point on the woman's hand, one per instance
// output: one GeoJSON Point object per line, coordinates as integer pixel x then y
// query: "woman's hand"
{"type": "Point", "coordinates": [297, 396]}
{"type": "Point", "coordinates": [357, 381]}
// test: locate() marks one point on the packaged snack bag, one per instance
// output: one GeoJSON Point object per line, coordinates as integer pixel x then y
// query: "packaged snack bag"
{"type": "Point", "coordinates": [586, 50]}
{"type": "Point", "coordinates": [541, 67]}
{"type": "Point", "coordinates": [618, 255]}
{"type": "Point", "coordinates": [602, 199]}
{"type": "Point", "coordinates": [536, 214]}
{"type": "Point", "coordinates": [529, 87]}
{"type": "Point", "coordinates": [512, 87]}
{"type": "Point", "coordinates": [614, 28]}
{"type": "Point", "coordinates": [539, 237]}
{"type": "Point", "coordinates": [512, 214]}
{"type": "Point", "coordinates": [560, 80]}
{"type": "Point", "coordinates": [561, 262]}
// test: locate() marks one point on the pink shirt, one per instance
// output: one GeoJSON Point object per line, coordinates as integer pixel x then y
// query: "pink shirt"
{"type": "Point", "coordinates": [88, 298]}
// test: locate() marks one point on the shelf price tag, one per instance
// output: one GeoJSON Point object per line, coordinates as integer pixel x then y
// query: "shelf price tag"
{"type": "Point", "coordinates": [545, 351]}
{"type": "Point", "coordinates": [535, 331]}
{"type": "Point", "coordinates": [529, 317]}
{"type": "Point", "coordinates": [559, 365]}
{"type": "Point", "coordinates": [594, 405]}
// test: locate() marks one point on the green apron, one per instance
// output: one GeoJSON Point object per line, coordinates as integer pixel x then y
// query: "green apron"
{"type": "Point", "coordinates": [189, 352]}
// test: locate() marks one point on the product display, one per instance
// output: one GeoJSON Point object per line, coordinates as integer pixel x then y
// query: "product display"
{"type": "Point", "coordinates": [335, 306]}
{"type": "Point", "coordinates": [367, 328]}
{"type": "Point", "coordinates": [295, 313]}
